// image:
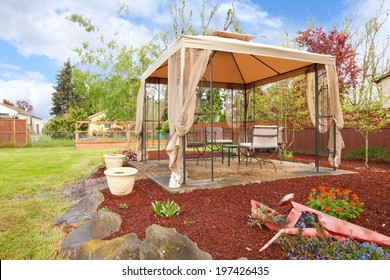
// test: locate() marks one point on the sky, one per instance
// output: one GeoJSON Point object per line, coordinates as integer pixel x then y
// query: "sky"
{"type": "Point", "coordinates": [36, 38]}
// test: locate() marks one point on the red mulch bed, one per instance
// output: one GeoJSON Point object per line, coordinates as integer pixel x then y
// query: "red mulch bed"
{"type": "Point", "coordinates": [217, 219]}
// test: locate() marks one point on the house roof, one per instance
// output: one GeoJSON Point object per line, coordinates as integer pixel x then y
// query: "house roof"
{"type": "Point", "coordinates": [20, 111]}
{"type": "Point", "coordinates": [380, 78]}
{"type": "Point", "coordinates": [97, 114]}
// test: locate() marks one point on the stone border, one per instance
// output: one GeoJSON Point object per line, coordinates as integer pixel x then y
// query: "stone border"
{"type": "Point", "coordinates": [90, 226]}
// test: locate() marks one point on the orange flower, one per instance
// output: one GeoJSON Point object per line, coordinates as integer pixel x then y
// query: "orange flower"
{"type": "Point", "coordinates": [322, 200]}
{"type": "Point", "coordinates": [355, 196]}
{"type": "Point", "coordinates": [326, 208]}
{"type": "Point", "coordinates": [313, 190]}
{"type": "Point", "coordinates": [341, 208]}
{"type": "Point", "coordinates": [346, 191]}
{"type": "Point", "coordinates": [331, 194]}
{"type": "Point", "coordinates": [309, 197]}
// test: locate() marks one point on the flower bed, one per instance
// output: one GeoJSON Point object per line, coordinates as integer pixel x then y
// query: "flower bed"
{"type": "Point", "coordinates": [217, 219]}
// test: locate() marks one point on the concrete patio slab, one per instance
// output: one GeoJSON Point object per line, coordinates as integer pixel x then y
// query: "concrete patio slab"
{"type": "Point", "coordinates": [199, 176]}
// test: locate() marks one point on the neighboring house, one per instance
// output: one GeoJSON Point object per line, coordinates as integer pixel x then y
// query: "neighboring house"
{"type": "Point", "coordinates": [34, 123]}
{"type": "Point", "coordinates": [384, 81]}
{"type": "Point", "coordinates": [96, 127]}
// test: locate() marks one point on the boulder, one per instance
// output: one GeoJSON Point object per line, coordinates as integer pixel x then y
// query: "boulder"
{"type": "Point", "coordinates": [163, 243]}
{"type": "Point", "coordinates": [82, 210]}
{"type": "Point", "coordinates": [85, 186]}
{"type": "Point", "coordinates": [101, 225]}
{"type": "Point", "coordinates": [121, 248]}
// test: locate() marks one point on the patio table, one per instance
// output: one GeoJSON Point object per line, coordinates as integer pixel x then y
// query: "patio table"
{"type": "Point", "coordinates": [229, 148]}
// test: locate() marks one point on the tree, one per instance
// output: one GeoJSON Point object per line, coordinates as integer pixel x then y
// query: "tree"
{"type": "Point", "coordinates": [7, 102]}
{"type": "Point", "coordinates": [363, 107]}
{"type": "Point", "coordinates": [183, 23]}
{"type": "Point", "coordinates": [65, 125]}
{"type": "Point", "coordinates": [64, 97]}
{"type": "Point", "coordinates": [20, 104]}
{"type": "Point", "coordinates": [283, 103]}
{"type": "Point", "coordinates": [334, 43]}
{"type": "Point", "coordinates": [24, 105]}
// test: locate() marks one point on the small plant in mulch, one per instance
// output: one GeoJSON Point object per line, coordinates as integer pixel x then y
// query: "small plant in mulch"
{"type": "Point", "coordinates": [130, 155]}
{"type": "Point", "coordinates": [123, 206]}
{"type": "Point", "coordinates": [102, 162]}
{"type": "Point", "coordinates": [263, 216]}
{"type": "Point", "coordinates": [335, 202]}
{"type": "Point", "coordinates": [166, 208]}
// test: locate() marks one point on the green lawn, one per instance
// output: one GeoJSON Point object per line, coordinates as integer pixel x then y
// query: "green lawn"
{"type": "Point", "coordinates": [31, 185]}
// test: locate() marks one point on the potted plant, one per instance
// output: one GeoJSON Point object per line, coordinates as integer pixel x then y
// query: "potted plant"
{"type": "Point", "coordinates": [121, 179]}
{"type": "Point", "coordinates": [114, 160]}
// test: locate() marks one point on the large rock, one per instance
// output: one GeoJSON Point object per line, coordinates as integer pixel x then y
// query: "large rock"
{"type": "Point", "coordinates": [101, 225]}
{"type": "Point", "coordinates": [167, 244]}
{"type": "Point", "coordinates": [85, 186]}
{"type": "Point", "coordinates": [121, 248]}
{"type": "Point", "coordinates": [82, 210]}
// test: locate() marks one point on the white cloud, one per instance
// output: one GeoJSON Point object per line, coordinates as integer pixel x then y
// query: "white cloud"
{"type": "Point", "coordinates": [37, 93]}
{"type": "Point", "coordinates": [9, 66]}
{"type": "Point", "coordinates": [40, 27]}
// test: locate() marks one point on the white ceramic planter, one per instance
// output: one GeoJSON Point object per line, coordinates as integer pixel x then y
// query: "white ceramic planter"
{"type": "Point", "coordinates": [121, 179]}
{"type": "Point", "coordinates": [114, 160]}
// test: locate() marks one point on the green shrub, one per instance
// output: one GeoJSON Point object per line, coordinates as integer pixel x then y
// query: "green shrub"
{"type": "Point", "coordinates": [166, 208]}
{"type": "Point", "coordinates": [47, 141]}
{"type": "Point", "coordinates": [11, 145]}
{"type": "Point", "coordinates": [374, 154]}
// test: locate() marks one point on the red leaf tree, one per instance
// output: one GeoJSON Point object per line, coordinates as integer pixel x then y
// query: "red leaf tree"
{"type": "Point", "coordinates": [7, 102]}
{"type": "Point", "coordinates": [24, 105]}
{"type": "Point", "coordinates": [337, 44]}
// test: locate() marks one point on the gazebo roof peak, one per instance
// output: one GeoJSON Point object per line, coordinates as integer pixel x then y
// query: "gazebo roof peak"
{"type": "Point", "coordinates": [232, 35]}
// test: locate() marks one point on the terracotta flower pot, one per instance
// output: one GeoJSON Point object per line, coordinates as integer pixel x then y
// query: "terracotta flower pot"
{"type": "Point", "coordinates": [121, 179]}
{"type": "Point", "coordinates": [114, 160]}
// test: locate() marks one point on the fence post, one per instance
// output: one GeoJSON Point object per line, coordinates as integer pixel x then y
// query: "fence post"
{"type": "Point", "coordinates": [27, 135]}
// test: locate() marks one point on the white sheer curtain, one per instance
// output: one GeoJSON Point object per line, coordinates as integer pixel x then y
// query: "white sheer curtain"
{"type": "Point", "coordinates": [139, 121]}
{"type": "Point", "coordinates": [185, 69]}
{"type": "Point", "coordinates": [333, 106]}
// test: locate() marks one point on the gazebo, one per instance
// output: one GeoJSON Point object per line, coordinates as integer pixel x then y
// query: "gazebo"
{"type": "Point", "coordinates": [229, 60]}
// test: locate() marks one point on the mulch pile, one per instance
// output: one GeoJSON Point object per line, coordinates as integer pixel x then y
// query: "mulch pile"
{"type": "Point", "coordinates": [217, 219]}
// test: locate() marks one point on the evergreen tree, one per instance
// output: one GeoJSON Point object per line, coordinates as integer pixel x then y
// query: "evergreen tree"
{"type": "Point", "coordinates": [64, 97]}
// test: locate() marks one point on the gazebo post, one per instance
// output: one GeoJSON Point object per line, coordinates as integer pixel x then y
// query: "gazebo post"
{"type": "Point", "coordinates": [232, 111]}
{"type": "Point", "coordinates": [144, 126]}
{"type": "Point", "coordinates": [159, 118]}
{"type": "Point", "coordinates": [212, 118]}
{"type": "Point", "coordinates": [245, 112]}
{"type": "Point", "coordinates": [316, 119]}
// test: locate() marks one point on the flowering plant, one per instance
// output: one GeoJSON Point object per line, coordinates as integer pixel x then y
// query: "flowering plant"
{"type": "Point", "coordinates": [130, 155]}
{"type": "Point", "coordinates": [335, 202]}
{"type": "Point", "coordinates": [263, 216]}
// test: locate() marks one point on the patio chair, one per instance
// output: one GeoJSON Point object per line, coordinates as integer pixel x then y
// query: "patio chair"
{"type": "Point", "coordinates": [219, 137]}
{"type": "Point", "coordinates": [195, 140]}
{"type": "Point", "coordinates": [263, 145]}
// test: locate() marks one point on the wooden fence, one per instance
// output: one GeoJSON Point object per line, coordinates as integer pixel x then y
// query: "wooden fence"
{"type": "Point", "coordinates": [353, 140]}
{"type": "Point", "coordinates": [13, 131]}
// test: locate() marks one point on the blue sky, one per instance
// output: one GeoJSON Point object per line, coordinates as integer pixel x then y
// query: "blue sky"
{"type": "Point", "coordinates": [36, 38]}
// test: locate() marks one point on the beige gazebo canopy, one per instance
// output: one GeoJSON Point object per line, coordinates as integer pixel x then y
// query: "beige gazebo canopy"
{"type": "Point", "coordinates": [230, 60]}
